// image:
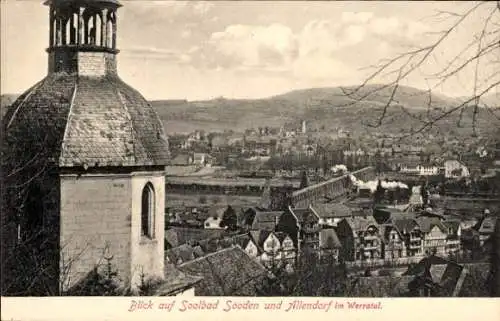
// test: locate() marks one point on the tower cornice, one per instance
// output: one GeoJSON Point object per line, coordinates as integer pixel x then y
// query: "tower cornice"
{"type": "Point", "coordinates": [82, 48]}
{"type": "Point", "coordinates": [101, 3]}
{"type": "Point", "coordinates": [83, 36]}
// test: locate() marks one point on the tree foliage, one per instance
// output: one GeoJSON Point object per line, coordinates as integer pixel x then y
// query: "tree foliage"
{"type": "Point", "coordinates": [229, 219]}
{"type": "Point", "coordinates": [476, 59]}
{"type": "Point", "coordinates": [304, 181]}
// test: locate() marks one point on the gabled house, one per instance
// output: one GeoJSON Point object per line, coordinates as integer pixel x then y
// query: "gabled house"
{"type": "Point", "coordinates": [454, 235]}
{"type": "Point", "coordinates": [455, 169]}
{"type": "Point", "coordinates": [182, 160]}
{"type": "Point", "coordinates": [486, 228]}
{"type": "Point", "coordinates": [435, 235]}
{"type": "Point", "coordinates": [214, 219]}
{"type": "Point", "coordinates": [288, 250]}
{"type": "Point", "coordinates": [329, 245]}
{"type": "Point", "coordinates": [264, 220]}
{"type": "Point", "coordinates": [307, 225]}
{"type": "Point", "coordinates": [360, 238]}
{"type": "Point", "coordinates": [412, 235]}
{"type": "Point", "coordinates": [246, 242]}
{"type": "Point", "coordinates": [202, 159]}
{"type": "Point", "coordinates": [393, 242]}
{"type": "Point", "coordinates": [269, 245]}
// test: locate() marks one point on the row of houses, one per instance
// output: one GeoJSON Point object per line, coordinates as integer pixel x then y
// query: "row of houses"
{"type": "Point", "coordinates": [333, 230]}
{"type": "Point", "coordinates": [356, 235]}
{"type": "Point", "coordinates": [271, 249]}
{"type": "Point", "coordinates": [450, 169]}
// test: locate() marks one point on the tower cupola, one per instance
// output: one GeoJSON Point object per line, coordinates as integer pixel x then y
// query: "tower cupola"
{"type": "Point", "coordinates": [82, 37]}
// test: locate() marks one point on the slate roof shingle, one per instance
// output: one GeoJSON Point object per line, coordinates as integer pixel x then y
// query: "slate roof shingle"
{"type": "Point", "coordinates": [175, 281]}
{"type": "Point", "coordinates": [228, 272]}
{"type": "Point", "coordinates": [405, 225]}
{"type": "Point", "coordinates": [88, 121]}
{"type": "Point", "coordinates": [427, 223]}
{"type": "Point", "coordinates": [448, 275]}
{"type": "Point", "coordinates": [332, 210]}
{"type": "Point", "coordinates": [361, 223]}
{"type": "Point", "coordinates": [185, 235]}
{"type": "Point", "coordinates": [380, 286]}
{"type": "Point", "coordinates": [305, 215]}
{"type": "Point", "coordinates": [266, 220]}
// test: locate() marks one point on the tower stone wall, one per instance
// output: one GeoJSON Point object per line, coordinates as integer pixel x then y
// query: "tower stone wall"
{"type": "Point", "coordinates": [85, 63]}
{"type": "Point", "coordinates": [101, 220]}
{"type": "Point", "coordinates": [96, 223]}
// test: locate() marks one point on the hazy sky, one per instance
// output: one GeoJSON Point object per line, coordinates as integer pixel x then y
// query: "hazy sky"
{"type": "Point", "coordinates": [198, 50]}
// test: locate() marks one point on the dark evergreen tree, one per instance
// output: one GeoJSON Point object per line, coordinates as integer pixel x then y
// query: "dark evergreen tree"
{"type": "Point", "coordinates": [229, 219]}
{"type": "Point", "coordinates": [379, 193]}
{"type": "Point", "coordinates": [304, 182]}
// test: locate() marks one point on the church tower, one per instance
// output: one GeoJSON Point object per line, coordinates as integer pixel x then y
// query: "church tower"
{"type": "Point", "coordinates": [84, 163]}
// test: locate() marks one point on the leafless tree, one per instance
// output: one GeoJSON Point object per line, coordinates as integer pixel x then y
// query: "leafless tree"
{"type": "Point", "coordinates": [478, 59]}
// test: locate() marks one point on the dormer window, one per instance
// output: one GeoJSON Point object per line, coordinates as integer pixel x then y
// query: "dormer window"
{"type": "Point", "coordinates": [148, 211]}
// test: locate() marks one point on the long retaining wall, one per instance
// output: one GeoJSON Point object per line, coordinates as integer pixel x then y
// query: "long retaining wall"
{"type": "Point", "coordinates": [370, 263]}
{"type": "Point", "coordinates": [333, 188]}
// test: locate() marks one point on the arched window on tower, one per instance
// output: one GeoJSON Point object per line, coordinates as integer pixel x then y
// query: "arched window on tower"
{"type": "Point", "coordinates": [97, 29]}
{"type": "Point", "coordinates": [73, 29]}
{"type": "Point", "coordinates": [92, 30]}
{"type": "Point", "coordinates": [113, 30]}
{"type": "Point", "coordinates": [148, 211]}
{"type": "Point", "coordinates": [66, 34]}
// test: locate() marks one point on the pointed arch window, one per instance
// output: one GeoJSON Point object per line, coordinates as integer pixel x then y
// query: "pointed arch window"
{"type": "Point", "coordinates": [148, 211]}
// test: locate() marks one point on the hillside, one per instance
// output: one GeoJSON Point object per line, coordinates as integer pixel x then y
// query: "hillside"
{"type": "Point", "coordinates": [323, 108]}
{"type": "Point", "coordinates": [6, 100]}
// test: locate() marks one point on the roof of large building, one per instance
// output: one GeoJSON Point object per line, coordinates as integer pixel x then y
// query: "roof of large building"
{"type": "Point", "coordinates": [427, 223]}
{"type": "Point", "coordinates": [266, 220]}
{"type": "Point", "coordinates": [228, 272]}
{"type": "Point", "coordinates": [181, 254]}
{"type": "Point", "coordinates": [405, 225]}
{"type": "Point", "coordinates": [443, 272]}
{"type": "Point", "coordinates": [175, 281]}
{"type": "Point", "coordinates": [361, 223]}
{"type": "Point", "coordinates": [305, 215]}
{"type": "Point", "coordinates": [76, 121]}
{"type": "Point", "coordinates": [177, 236]}
{"type": "Point", "coordinates": [331, 210]}
{"type": "Point", "coordinates": [380, 286]}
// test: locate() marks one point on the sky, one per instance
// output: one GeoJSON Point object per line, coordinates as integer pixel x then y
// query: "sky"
{"type": "Point", "coordinates": [237, 49]}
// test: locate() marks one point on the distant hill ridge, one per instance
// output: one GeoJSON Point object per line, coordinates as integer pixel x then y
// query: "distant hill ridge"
{"type": "Point", "coordinates": [322, 107]}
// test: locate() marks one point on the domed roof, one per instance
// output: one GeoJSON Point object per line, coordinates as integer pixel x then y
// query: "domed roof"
{"type": "Point", "coordinates": [86, 121]}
